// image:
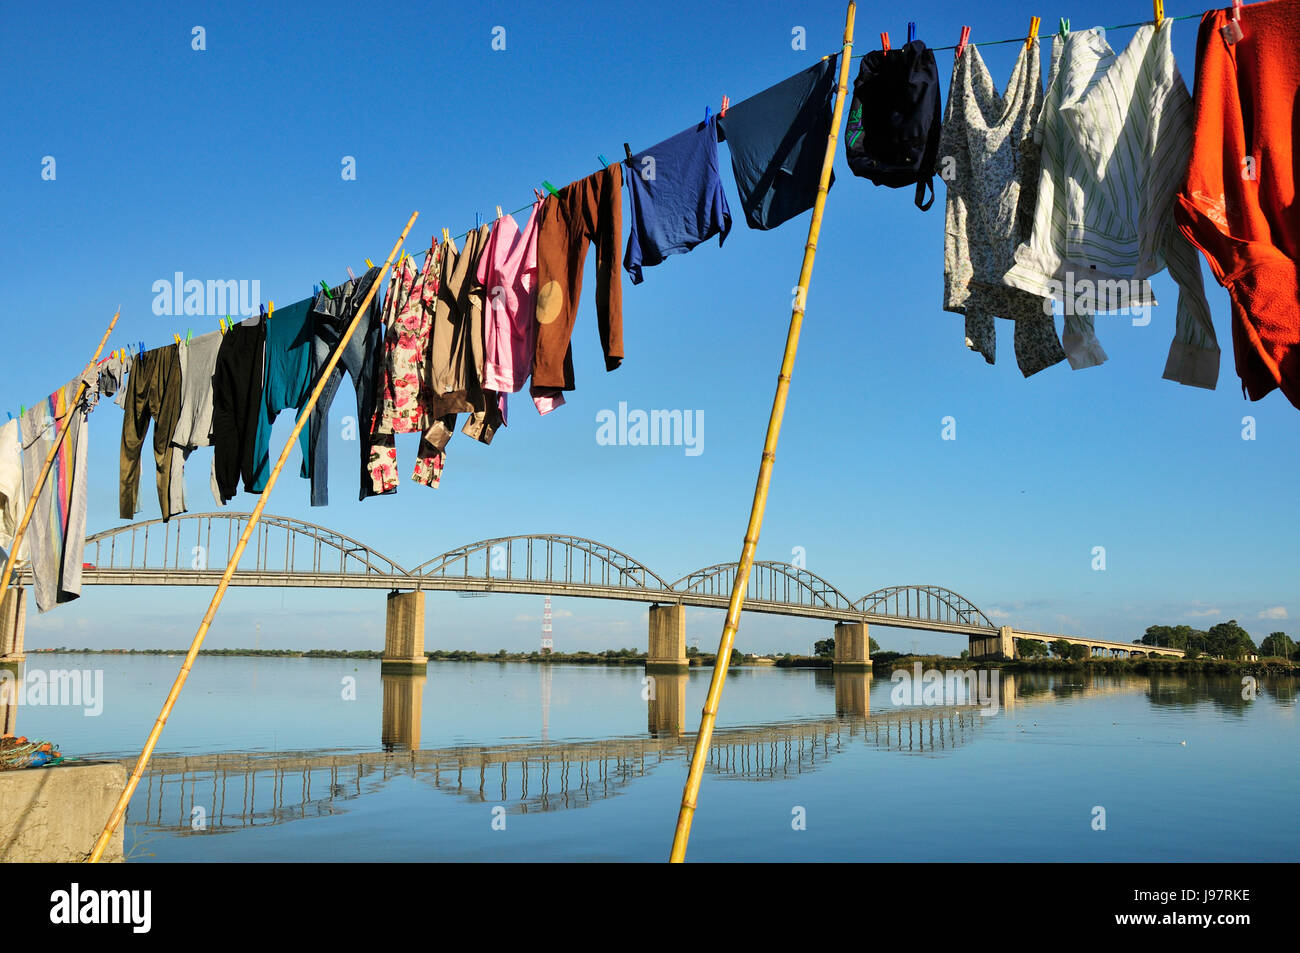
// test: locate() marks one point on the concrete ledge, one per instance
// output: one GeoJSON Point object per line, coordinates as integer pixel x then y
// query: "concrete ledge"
{"type": "Point", "coordinates": [667, 667]}
{"type": "Point", "coordinates": [851, 666]}
{"type": "Point", "coordinates": [54, 815]}
{"type": "Point", "coordinates": [403, 666]}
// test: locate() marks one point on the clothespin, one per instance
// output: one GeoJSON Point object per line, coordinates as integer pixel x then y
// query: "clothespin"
{"type": "Point", "coordinates": [707, 114]}
{"type": "Point", "coordinates": [1065, 28]}
{"type": "Point", "coordinates": [1159, 12]}
{"type": "Point", "coordinates": [326, 288]}
{"type": "Point", "coordinates": [627, 150]}
{"type": "Point", "coordinates": [446, 236]}
{"type": "Point", "coordinates": [726, 104]}
{"type": "Point", "coordinates": [961, 44]}
{"type": "Point", "coordinates": [604, 163]}
{"type": "Point", "coordinates": [550, 188]}
{"type": "Point", "coordinates": [188, 333]}
{"type": "Point", "coordinates": [263, 307]}
{"type": "Point", "coordinates": [350, 275]}
{"type": "Point", "coordinates": [911, 31]}
{"type": "Point", "coordinates": [177, 337]}
{"type": "Point", "coordinates": [369, 263]}
{"type": "Point", "coordinates": [141, 351]}
{"type": "Point", "coordinates": [1231, 31]}
{"type": "Point", "coordinates": [270, 309]}
{"type": "Point", "coordinates": [1033, 32]}
{"type": "Point", "coordinates": [884, 42]}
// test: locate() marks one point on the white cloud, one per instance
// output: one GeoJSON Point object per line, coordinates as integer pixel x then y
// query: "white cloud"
{"type": "Point", "coordinates": [1277, 612]}
{"type": "Point", "coordinates": [1197, 613]}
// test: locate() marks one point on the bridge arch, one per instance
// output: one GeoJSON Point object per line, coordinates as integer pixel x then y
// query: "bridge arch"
{"type": "Point", "coordinates": [768, 582]}
{"type": "Point", "coordinates": [571, 560]}
{"type": "Point", "coordinates": [206, 541]}
{"type": "Point", "coordinates": [925, 603]}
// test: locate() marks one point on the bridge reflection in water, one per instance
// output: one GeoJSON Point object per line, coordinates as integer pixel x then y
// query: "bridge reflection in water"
{"type": "Point", "coordinates": [238, 790]}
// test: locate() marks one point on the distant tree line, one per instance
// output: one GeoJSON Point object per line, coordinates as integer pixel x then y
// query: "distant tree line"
{"type": "Point", "coordinates": [1225, 640]}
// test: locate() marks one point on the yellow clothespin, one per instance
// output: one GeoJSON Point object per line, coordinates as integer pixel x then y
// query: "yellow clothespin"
{"type": "Point", "coordinates": [1160, 12]}
{"type": "Point", "coordinates": [177, 337]}
{"type": "Point", "coordinates": [369, 263]}
{"type": "Point", "coordinates": [446, 236]}
{"type": "Point", "coordinates": [1033, 30]}
{"type": "Point", "coordinates": [270, 310]}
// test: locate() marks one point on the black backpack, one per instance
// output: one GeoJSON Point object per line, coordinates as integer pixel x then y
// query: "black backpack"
{"type": "Point", "coordinates": [894, 119]}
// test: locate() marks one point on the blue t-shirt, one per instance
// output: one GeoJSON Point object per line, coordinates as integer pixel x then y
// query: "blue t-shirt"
{"type": "Point", "coordinates": [675, 198]}
{"type": "Point", "coordinates": [778, 140]}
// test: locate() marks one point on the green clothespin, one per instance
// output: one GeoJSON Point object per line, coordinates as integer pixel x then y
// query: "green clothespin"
{"type": "Point", "coordinates": [550, 188]}
{"type": "Point", "coordinates": [1065, 27]}
{"type": "Point", "coordinates": [188, 332]}
{"type": "Point", "coordinates": [326, 288]}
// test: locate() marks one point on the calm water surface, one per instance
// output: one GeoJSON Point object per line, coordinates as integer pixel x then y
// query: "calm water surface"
{"type": "Point", "coordinates": [323, 760]}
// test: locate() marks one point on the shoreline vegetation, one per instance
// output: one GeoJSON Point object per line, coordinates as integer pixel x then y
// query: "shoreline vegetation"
{"type": "Point", "coordinates": [884, 662]}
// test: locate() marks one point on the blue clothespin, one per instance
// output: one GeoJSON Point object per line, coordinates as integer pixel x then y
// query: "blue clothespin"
{"type": "Point", "coordinates": [604, 163]}
{"type": "Point", "coordinates": [478, 221]}
{"type": "Point", "coordinates": [141, 351]}
{"type": "Point", "coordinates": [911, 32]}
{"type": "Point", "coordinates": [706, 115]}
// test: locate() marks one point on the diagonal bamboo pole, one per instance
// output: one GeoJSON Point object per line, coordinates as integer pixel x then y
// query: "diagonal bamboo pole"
{"type": "Point", "coordinates": [690, 794]}
{"type": "Point", "coordinates": [49, 463]}
{"type": "Point", "coordinates": [119, 809]}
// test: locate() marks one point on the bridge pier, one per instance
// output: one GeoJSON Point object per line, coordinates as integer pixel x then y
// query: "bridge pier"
{"type": "Point", "coordinates": [852, 691]}
{"type": "Point", "coordinates": [852, 647]}
{"type": "Point", "coordinates": [666, 711]}
{"type": "Point", "coordinates": [13, 625]}
{"type": "Point", "coordinates": [1000, 647]}
{"type": "Point", "coordinates": [403, 709]}
{"type": "Point", "coordinates": [667, 639]}
{"type": "Point", "coordinates": [404, 634]}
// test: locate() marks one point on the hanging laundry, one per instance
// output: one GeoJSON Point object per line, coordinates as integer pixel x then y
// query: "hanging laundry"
{"type": "Point", "coordinates": [56, 536]}
{"type": "Point", "coordinates": [112, 376]}
{"type": "Point", "coordinates": [1239, 203]}
{"type": "Point", "coordinates": [586, 211]}
{"type": "Point", "coordinates": [198, 360]}
{"type": "Point", "coordinates": [153, 392]}
{"type": "Point", "coordinates": [405, 390]}
{"type": "Point", "coordinates": [777, 140]}
{"type": "Point", "coordinates": [237, 405]}
{"type": "Point", "coordinates": [992, 185]}
{"type": "Point", "coordinates": [485, 405]}
{"type": "Point", "coordinates": [508, 272]}
{"type": "Point", "coordinates": [1113, 130]}
{"type": "Point", "coordinates": [286, 381]}
{"type": "Point", "coordinates": [12, 499]}
{"type": "Point", "coordinates": [892, 137]}
{"type": "Point", "coordinates": [675, 198]}
{"type": "Point", "coordinates": [362, 359]}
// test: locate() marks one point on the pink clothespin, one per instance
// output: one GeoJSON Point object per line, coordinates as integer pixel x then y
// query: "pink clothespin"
{"type": "Point", "coordinates": [726, 104]}
{"type": "Point", "coordinates": [1231, 31]}
{"type": "Point", "coordinates": [961, 44]}
{"type": "Point", "coordinates": [884, 42]}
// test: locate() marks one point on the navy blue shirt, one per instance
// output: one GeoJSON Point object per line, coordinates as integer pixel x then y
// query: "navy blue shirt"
{"type": "Point", "coordinates": [676, 198]}
{"type": "Point", "coordinates": [777, 140]}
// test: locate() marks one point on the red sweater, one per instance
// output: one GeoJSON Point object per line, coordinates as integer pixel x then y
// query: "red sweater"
{"type": "Point", "coordinates": [1239, 202]}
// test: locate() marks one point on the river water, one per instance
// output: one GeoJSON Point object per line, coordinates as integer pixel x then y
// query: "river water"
{"type": "Point", "coordinates": [323, 760]}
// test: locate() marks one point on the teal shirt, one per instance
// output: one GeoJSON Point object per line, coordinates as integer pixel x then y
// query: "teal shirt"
{"type": "Point", "coordinates": [286, 380]}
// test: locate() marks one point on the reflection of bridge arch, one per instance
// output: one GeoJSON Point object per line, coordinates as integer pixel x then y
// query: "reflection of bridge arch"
{"type": "Point", "coordinates": [924, 603]}
{"type": "Point", "coordinates": [771, 582]}
{"type": "Point", "coordinates": [570, 560]}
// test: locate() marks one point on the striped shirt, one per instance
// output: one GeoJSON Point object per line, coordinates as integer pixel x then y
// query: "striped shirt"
{"type": "Point", "coordinates": [1116, 131]}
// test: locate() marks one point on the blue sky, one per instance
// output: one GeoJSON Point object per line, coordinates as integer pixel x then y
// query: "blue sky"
{"type": "Point", "coordinates": [225, 163]}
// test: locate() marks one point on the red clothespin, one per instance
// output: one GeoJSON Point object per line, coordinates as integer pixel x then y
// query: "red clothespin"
{"type": "Point", "coordinates": [1231, 31]}
{"type": "Point", "coordinates": [884, 42]}
{"type": "Point", "coordinates": [726, 104]}
{"type": "Point", "coordinates": [961, 44]}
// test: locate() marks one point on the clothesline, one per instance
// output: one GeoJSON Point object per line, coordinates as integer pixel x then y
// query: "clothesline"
{"type": "Point", "coordinates": [1014, 39]}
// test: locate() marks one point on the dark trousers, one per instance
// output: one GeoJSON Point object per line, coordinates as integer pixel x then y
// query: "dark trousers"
{"type": "Point", "coordinates": [154, 393]}
{"type": "Point", "coordinates": [236, 401]}
{"type": "Point", "coordinates": [361, 358]}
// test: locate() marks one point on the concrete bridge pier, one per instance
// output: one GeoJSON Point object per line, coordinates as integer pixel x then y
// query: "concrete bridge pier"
{"type": "Point", "coordinates": [404, 634]}
{"type": "Point", "coordinates": [1001, 647]}
{"type": "Point", "coordinates": [13, 625]}
{"type": "Point", "coordinates": [403, 709]}
{"type": "Point", "coordinates": [852, 692]}
{"type": "Point", "coordinates": [667, 639]}
{"type": "Point", "coordinates": [852, 647]}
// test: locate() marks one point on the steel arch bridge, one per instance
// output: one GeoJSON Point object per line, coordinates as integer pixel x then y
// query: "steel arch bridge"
{"type": "Point", "coordinates": [194, 549]}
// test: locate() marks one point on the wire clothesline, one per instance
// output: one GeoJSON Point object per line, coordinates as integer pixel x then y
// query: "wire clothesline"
{"type": "Point", "coordinates": [1015, 39]}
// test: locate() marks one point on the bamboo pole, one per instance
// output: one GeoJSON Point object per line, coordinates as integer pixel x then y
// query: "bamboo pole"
{"type": "Point", "coordinates": [709, 716]}
{"type": "Point", "coordinates": [49, 463]}
{"type": "Point", "coordinates": [119, 809]}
